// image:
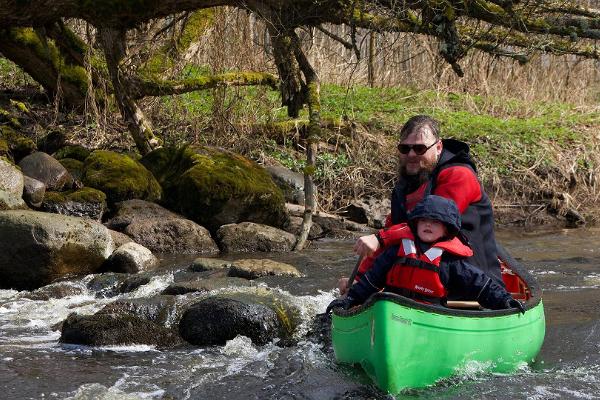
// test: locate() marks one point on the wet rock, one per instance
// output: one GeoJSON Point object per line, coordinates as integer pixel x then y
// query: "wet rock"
{"type": "Point", "coordinates": [201, 264]}
{"type": "Point", "coordinates": [214, 187]}
{"type": "Point", "coordinates": [132, 283]}
{"type": "Point", "coordinates": [47, 170]}
{"type": "Point", "coordinates": [251, 237]}
{"type": "Point", "coordinates": [369, 211]}
{"type": "Point", "coordinates": [332, 225]}
{"type": "Point", "coordinates": [113, 329]}
{"type": "Point", "coordinates": [57, 290]}
{"type": "Point", "coordinates": [33, 191]}
{"type": "Point", "coordinates": [217, 320]}
{"type": "Point", "coordinates": [38, 248]}
{"type": "Point", "coordinates": [84, 202]}
{"type": "Point", "coordinates": [253, 268]}
{"type": "Point", "coordinates": [173, 235]}
{"type": "Point", "coordinates": [131, 258]}
{"type": "Point", "coordinates": [291, 183]}
{"type": "Point", "coordinates": [162, 310]}
{"type": "Point", "coordinates": [204, 285]}
{"type": "Point", "coordinates": [107, 284]}
{"type": "Point", "coordinates": [120, 177]}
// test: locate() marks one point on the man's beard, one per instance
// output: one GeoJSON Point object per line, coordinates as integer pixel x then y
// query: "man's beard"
{"type": "Point", "coordinates": [415, 180]}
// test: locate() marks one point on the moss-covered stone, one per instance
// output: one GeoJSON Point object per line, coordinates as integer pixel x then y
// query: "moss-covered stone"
{"type": "Point", "coordinates": [85, 194]}
{"type": "Point", "coordinates": [120, 177]}
{"type": "Point", "coordinates": [216, 187]}
{"type": "Point", "coordinates": [84, 202]}
{"type": "Point", "coordinates": [75, 167]}
{"type": "Point", "coordinates": [18, 145]}
{"type": "Point", "coordinates": [76, 152]}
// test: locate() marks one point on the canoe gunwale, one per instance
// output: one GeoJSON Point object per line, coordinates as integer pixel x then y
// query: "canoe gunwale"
{"type": "Point", "coordinates": [517, 268]}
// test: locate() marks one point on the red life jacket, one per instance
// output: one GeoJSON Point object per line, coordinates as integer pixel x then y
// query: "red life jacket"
{"type": "Point", "coordinates": [417, 275]}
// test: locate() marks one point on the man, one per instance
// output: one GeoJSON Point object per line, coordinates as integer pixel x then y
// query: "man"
{"type": "Point", "coordinates": [428, 165]}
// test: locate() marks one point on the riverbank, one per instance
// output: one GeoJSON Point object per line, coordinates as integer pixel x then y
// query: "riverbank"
{"type": "Point", "coordinates": [538, 160]}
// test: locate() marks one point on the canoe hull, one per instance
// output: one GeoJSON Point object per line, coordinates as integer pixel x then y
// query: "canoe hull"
{"type": "Point", "coordinates": [402, 344]}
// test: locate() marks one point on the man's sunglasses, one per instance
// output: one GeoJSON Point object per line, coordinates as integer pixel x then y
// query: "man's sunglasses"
{"type": "Point", "coordinates": [419, 149]}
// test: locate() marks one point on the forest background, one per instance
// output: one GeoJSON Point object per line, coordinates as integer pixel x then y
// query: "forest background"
{"type": "Point", "coordinates": [532, 127]}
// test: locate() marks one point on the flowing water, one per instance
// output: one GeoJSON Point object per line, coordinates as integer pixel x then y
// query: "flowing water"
{"type": "Point", "coordinates": [34, 365]}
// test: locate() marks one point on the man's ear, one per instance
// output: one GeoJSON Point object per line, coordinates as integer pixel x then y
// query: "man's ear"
{"type": "Point", "coordinates": [439, 146]}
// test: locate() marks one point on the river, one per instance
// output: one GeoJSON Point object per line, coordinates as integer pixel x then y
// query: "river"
{"type": "Point", "coordinates": [33, 365]}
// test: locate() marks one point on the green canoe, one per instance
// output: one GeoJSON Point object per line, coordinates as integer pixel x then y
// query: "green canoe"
{"type": "Point", "coordinates": [401, 343]}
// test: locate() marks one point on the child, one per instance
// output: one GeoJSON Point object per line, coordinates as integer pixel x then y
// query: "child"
{"type": "Point", "coordinates": [430, 264]}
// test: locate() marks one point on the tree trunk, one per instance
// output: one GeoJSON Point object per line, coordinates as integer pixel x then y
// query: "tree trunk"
{"type": "Point", "coordinates": [292, 88]}
{"type": "Point", "coordinates": [313, 96]}
{"type": "Point", "coordinates": [58, 74]}
{"type": "Point", "coordinates": [371, 59]}
{"type": "Point", "coordinates": [113, 44]}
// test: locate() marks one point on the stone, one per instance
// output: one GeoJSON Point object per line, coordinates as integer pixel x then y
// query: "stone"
{"type": "Point", "coordinates": [295, 226]}
{"type": "Point", "coordinates": [33, 191]}
{"type": "Point", "coordinates": [85, 202]}
{"type": "Point", "coordinates": [214, 321]}
{"type": "Point", "coordinates": [254, 268]}
{"type": "Point", "coordinates": [131, 258]}
{"type": "Point", "coordinates": [209, 264]}
{"type": "Point", "coordinates": [251, 237]}
{"type": "Point", "coordinates": [126, 212]}
{"type": "Point", "coordinates": [120, 177]}
{"type": "Point", "coordinates": [119, 238]}
{"type": "Point", "coordinates": [47, 170]}
{"type": "Point", "coordinates": [114, 330]}
{"type": "Point", "coordinates": [204, 285]}
{"type": "Point", "coordinates": [162, 310]}
{"type": "Point", "coordinates": [11, 179]}
{"type": "Point", "coordinates": [369, 211]}
{"type": "Point", "coordinates": [56, 290]}
{"type": "Point", "coordinates": [291, 183]}
{"type": "Point", "coordinates": [214, 187]}
{"type": "Point", "coordinates": [76, 152]}
{"type": "Point", "coordinates": [38, 248]}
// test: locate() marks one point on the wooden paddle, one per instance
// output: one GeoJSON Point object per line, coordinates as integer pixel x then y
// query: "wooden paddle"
{"type": "Point", "coordinates": [354, 272]}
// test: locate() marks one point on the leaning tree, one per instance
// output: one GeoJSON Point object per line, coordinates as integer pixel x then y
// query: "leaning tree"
{"type": "Point", "coordinates": [35, 36]}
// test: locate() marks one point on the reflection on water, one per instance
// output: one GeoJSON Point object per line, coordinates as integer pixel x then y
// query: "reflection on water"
{"type": "Point", "coordinates": [34, 365]}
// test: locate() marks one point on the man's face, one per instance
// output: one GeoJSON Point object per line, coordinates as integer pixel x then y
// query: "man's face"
{"type": "Point", "coordinates": [412, 164]}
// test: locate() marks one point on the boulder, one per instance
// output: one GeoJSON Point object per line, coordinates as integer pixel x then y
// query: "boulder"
{"type": "Point", "coordinates": [295, 226]}
{"type": "Point", "coordinates": [161, 310]}
{"type": "Point", "coordinates": [215, 187]}
{"type": "Point", "coordinates": [114, 329]}
{"type": "Point", "coordinates": [76, 152]}
{"type": "Point", "coordinates": [126, 212]}
{"type": "Point", "coordinates": [369, 211]}
{"type": "Point", "coordinates": [53, 141]}
{"type": "Point", "coordinates": [108, 284]}
{"type": "Point", "coordinates": [251, 237]}
{"type": "Point", "coordinates": [119, 238]}
{"type": "Point", "coordinates": [47, 170]}
{"type": "Point", "coordinates": [201, 264]}
{"type": "Point", "coordinates": [37, 248]}
{"type": "Point", "coordinates": [75, 168]}
{"type": "Point", "coordinates": [253, 268]}
{"type": "Point", "coordinates": [131, 258]}
{"type": "Point", "coordinates": [204, 285]}
{"type": "Point", "coordinates": [254, 312]}
{"type": "Point", "coordinates": [174, 235]}
{"type": "Point", "coordinates": [291, 183]}
{"type": "Point", "coordinates": [56, 290]}
{"type": "Point", "coordinates": [120, 177]}
{"type": "Point", "coordinates": [11, 187]}
{"type": "Point", "coordinates": [17, 144]}
{"type": "Point", "coordinates": [333, 225]}
{"type": "Point", "coordinates": [33, 191]}
{"type": "Point", "coordinates": [85, 202]}
{"type": "Point", "coordinates": [217, 320]}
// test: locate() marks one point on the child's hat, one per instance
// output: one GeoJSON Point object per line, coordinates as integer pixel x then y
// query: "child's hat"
{"type": "Point", "coordinates": [440, 209]}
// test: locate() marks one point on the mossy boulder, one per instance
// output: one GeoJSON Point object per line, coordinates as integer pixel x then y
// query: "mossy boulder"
{"type": "Point", "coordinates": [74, 166]}
{"type": "Point", "coordinates": [84, 202]}
{"type": "Point", "coordinates": [215, 187]}
{"type": "Point", "coordinates": [120, 177]}
{"type": "Point", "coordinates": [76, 152]}
{"type": "Point", "coordinates": [17, 144]}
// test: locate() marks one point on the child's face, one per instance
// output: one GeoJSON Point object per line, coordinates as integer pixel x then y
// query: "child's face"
{"type": "Point", "coordinates": [430, 230]}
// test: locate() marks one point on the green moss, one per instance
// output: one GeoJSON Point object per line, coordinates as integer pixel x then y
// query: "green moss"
{"type": "Point", "coordinates": [120, 177]}
{"type": "Point", "coordinates": [75, 167]}
{"type": "Point", "coordinates": [18, 145]}
{"type": "Point", "coordinates": [77, 152]}
{"type": "Point", "coordinates": [201, 182]}
{"type": "Point", "coordinates": [19, 106]}
{"type": "Point", "coordinates": [196, 25]}
{"type": "Point", "coordinates": [83, 195]}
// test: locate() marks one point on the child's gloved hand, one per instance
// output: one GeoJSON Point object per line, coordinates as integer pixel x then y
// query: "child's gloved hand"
{"type": "Point", "coordinates": [512, 303]}
{"type": "Point", "coordinates": [344, 302]}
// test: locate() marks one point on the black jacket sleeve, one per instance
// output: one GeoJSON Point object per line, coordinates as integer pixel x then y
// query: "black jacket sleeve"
{"type": "Point", "coordinates": [374, 280]}
{"type": "Point", "coordinates": [466, 280]}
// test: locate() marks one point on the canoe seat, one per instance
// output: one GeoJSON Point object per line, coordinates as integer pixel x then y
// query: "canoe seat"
{"type": "Point", "coordinates": [470, 305]}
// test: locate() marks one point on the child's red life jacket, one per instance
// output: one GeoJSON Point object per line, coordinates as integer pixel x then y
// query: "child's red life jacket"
{"type": "Point", "coordinates": [418, 274]}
